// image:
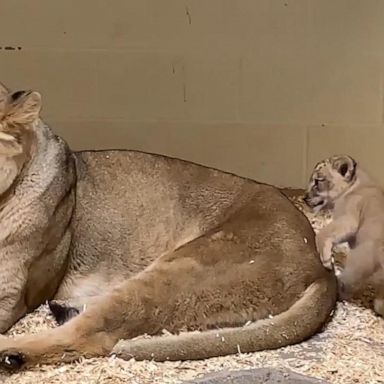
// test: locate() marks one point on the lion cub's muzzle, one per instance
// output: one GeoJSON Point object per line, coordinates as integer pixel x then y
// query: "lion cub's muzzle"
{"type": "Point", "coordinates": [314, 201]}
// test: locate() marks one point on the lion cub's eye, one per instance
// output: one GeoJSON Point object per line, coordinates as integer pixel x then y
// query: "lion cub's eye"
{"type": "Point", "coordinates": [318, 181]}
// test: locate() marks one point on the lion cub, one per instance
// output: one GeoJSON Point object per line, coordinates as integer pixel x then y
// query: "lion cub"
{"type": "Point", "coordinates": [357, 205]}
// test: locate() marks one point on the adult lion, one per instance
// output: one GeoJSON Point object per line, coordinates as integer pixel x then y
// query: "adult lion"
{"type": "Point", "coordinates": [145, 242]}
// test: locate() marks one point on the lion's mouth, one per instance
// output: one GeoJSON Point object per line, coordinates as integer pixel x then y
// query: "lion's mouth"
{"type": "Point", "coordinates": [315, 203]}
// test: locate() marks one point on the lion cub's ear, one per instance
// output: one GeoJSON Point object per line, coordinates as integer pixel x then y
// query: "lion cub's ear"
{"type": "Point", "coordinates": [345, 165]}
{"type": "Point", "coordinates": [23, 107]}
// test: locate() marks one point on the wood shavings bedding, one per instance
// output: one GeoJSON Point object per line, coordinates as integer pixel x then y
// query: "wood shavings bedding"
{"type": "Point", "coordinates": [350, 350]}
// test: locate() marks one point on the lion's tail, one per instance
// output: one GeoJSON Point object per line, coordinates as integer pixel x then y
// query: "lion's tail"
{"type": "Point", "coordinates": [302, 320]}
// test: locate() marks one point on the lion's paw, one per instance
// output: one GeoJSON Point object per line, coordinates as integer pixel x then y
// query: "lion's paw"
{"type": "Point", "coordinates": [62, 311]}
{"type": "Point", "coordinates": [345, 292]}
{"type": "Point", "coordinates": [11, 360]}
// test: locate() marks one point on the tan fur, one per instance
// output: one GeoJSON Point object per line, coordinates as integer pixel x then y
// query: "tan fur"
{"type": "Point", "coordinates": [138, 243]}
{"type": "Point", "coordinates": [357, 203]}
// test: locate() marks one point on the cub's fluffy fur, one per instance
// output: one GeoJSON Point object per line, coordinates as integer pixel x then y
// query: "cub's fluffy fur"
{"type": "Point", "coordinates": [357, 203]}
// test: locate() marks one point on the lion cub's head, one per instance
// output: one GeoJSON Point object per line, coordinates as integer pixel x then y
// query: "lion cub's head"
{"type": "Point", "coordinates": [19, 113]}
{"type": "Point", "coordinates": [330, 178]}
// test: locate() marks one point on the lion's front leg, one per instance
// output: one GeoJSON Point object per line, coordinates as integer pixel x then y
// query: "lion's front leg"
{"type": "Point", "coordinates": [12, 305]}
{"type": "Point", "coordinates": [10, 312]}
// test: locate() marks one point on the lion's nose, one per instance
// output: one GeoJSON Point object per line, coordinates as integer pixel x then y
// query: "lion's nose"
{"type": "Point", "coordinates": [306, 198]}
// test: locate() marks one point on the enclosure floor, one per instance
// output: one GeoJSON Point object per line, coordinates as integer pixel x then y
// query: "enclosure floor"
{"type": "Point", "coordinates": [350, 350]}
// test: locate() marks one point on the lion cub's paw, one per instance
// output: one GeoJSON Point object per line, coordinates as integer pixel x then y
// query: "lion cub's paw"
{"type": "Point", "coordinates": [378, 306]}
{"type": "Point", "coordinates": [344, 290]}
{"type": "Point", "coordinates": [338, 270]}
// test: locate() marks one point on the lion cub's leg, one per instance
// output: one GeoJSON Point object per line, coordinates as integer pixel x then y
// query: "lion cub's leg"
{"type": "Point", "coordinates": [378, 303]}
{"type": "Point", "coordinates": [378, 281]}
{"type": "Point", "coordinates": [338, 231]}
{"type": "Point", "coordinates": [361, 263]}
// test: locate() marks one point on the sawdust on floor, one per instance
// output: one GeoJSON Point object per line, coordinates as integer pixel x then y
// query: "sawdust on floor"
{"type": "Point", "coordinates": [350, 350]}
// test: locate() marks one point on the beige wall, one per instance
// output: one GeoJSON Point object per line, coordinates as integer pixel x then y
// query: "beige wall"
{"type": "Point", "coordinates": [263, 88]}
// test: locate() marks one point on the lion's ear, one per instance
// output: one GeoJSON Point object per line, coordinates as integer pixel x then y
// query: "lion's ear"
{"type": "Point", "coordinates": [345, 165]}
{"type": "Point", "coordinates": [23, 107]}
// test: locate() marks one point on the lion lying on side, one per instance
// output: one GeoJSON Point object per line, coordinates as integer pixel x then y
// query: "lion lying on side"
{"type": "Point", "coordinates": [144, 243]}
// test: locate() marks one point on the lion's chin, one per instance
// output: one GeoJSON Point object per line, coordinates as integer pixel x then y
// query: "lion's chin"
{"type": "Point", "coordinates": [316, 204]}
{"type": "Point", "coordinates": [319, 207]}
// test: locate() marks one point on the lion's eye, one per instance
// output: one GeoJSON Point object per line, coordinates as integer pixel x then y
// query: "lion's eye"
{"type": "Point", "coordinates": [318, 181]}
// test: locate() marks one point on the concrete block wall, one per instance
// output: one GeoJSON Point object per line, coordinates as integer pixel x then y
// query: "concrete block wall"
{"type": "Point", "coordinates": [262, 88]}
